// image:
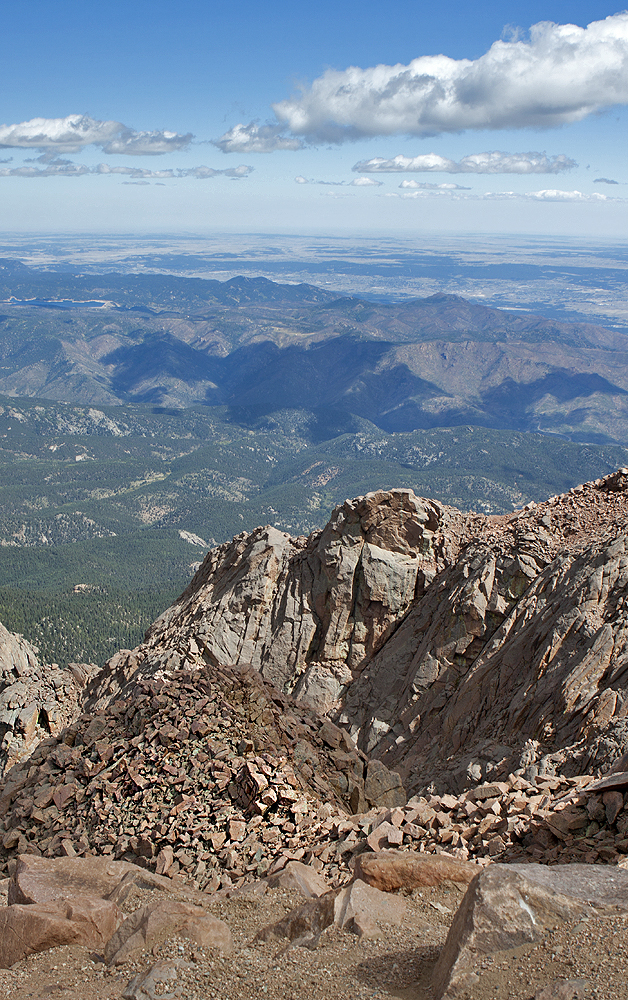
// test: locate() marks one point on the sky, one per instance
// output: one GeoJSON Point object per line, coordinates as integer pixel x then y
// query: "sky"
{"type": "Point", "coordinates": [365, 117]}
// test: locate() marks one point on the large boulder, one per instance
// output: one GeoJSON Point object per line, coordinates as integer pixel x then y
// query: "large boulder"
{"type": "Point", "coordinates": [511, 905]}
{"type": "Point", "coordinates": [49, 880]}
{"type": "Point", "coordinates": [391, 870]}
{"type": "Point", "coordinates": [85, 921]}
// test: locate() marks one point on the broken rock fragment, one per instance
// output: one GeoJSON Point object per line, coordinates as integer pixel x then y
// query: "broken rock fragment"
{"type": "Point", "coordinates": [153, 924]}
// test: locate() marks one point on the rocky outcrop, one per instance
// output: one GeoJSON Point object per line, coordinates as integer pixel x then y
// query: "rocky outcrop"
{"type": "Point", "coordinates": [36, 700]}
{"type": "Point", "coordinates": [454, 647]}
{"type": "Point", "coordinates": [307, 613]}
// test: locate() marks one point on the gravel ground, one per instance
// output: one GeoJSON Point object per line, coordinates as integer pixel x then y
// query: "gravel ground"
{"type": "Point", "coordinates": [398, 964]}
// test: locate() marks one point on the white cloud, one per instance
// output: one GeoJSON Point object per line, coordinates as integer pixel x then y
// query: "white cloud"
{"type": "Point", "coordinates": [561, 75]}
{"type": "Point", "coordinates": [74, 132]}
{"type": "Point", "coordinates": [50, 170]}
{"type": "Point", "coordinates": [65, 168]}
{"type": "Point", "coordinates": [476, 163]}
{"type": "Point", "coordinates": [457, 193]}
{"type": "Point", "coordinates": [203, 173]}
{"type": "Point", "coordinates": [358, 182]}
{"type": "Point", "coordinates": [254, 138]}
{"type": "Point", "coordinates": [546, 195]}
{"type": "Point", "coordinates": [365, 182]}
{"type": "Point", "coordinates": [423, 186]}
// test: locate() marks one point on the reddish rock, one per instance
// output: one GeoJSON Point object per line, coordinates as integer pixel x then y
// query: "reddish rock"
{"type": "Point", "coordinates": [25, 930]}
{"type": "Point", "coordinates": [390, 870]}
{"type": "Point", "coordinates": [48, 880]}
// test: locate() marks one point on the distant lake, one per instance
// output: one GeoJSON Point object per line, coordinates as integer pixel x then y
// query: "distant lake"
{"type": "Point", "coordinates": [57, 303]}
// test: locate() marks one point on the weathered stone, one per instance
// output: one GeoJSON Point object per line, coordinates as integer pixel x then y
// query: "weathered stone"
{"type": "Point", "coordinates": [391, 870]}
{"type": "Point", "coordinates": [143, 986]}
{"type": "Point", "coordinates": [383, 787]}
{"type": "Point", "coordinates": [613, 804]}
{"type": "Point", "coordinates": [302, 877]}
{"type": "Point", "coordinates": [47, 880]}
{"type": "Point", "coordinates": [153, 924]}
{"type": "Point", "coordinates": [617, 780]}
{"type": "Point", "coordinates": [362, 905]}
{"type": "Point", "coordinates": [563, 989]}
{"type": "Point", "coordinates": [25, 930]}
{"type": "Point", "coordinates": [305, 924]}
{"type": "Point", "coordinates": [382, 835]}
{"type": "Point", "coordinates": [510, 905]}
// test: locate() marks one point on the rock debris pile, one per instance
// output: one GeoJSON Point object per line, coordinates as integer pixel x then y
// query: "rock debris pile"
{"type": "Point", "coordinates": [213, 773]}
{"type": "Point", "coordinates": [216, 775]}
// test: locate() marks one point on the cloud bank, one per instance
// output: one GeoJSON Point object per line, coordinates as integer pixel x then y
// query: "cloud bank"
{"type": "Point", "coordinates": [454, 191]}
{"type": "Point", "coordinates": [65, 168]}
{"type": "Point", "coordinates": [423, 186]}
{"type": "Point", "coordinates": [75, 132]}
{"type": "Point", "coordinates": [561, 75]}
{"type": "Point", "coordinates": [358, 182]}
{"type": "Point", "coordinates": [475, 163]}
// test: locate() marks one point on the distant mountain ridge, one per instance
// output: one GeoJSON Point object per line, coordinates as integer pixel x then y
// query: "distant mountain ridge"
{"type": "Point", "coordinates": [259, 346]}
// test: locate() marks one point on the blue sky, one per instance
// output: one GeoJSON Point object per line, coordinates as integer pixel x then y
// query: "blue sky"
{"type": "Point", "coordinates": [133, 98]}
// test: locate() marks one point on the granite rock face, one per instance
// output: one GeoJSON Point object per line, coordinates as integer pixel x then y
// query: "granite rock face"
{"type": "Point", "coordinates": [306, 613]}
{"type": "Point", "coordinates": [451, 646]}
{"type": "Point", "coordinates": [36, 700]}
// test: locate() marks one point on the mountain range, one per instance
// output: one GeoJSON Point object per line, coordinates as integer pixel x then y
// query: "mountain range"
{"type": "Point", "coordinates": [256, 346]}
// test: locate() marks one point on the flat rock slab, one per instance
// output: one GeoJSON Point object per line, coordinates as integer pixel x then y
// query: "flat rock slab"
{"type": "Point", "coordinates": [390, 870]}
{"type": "Point", "coordinates": [48, 880]}
{"type": "Point", "coordinates": [510, 905]}
{"type": "Point", "coordinates": [618, 781]}
{"type": "Point", "coordinates": [25, 930]}
{"type": "Point", "coordinates": [151, 925]}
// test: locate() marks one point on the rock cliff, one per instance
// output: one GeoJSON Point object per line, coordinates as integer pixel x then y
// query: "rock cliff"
{"type": "Point", "coordinates": [453, 646]}
{"type": "Point", "coordinates": [36, 700]}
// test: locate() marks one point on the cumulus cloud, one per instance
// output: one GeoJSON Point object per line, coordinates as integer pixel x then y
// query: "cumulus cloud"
{"type": "Point", "coordinates": [604, 180]}
{"type": "Point", "coordinates": [254, 138]}
{"type": "Point", "coordinates": [75, 132]}
{"type": "Point", "coordinates": [560, 75]}
{"type": "Point", "coordinates": [423, 186]}
{"type": "Point", "coordinates": [65, 168]}
{"type": "Point", "coordinates": [365, 182]}
{"type": "Point", "coordinates": [476, 163]}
